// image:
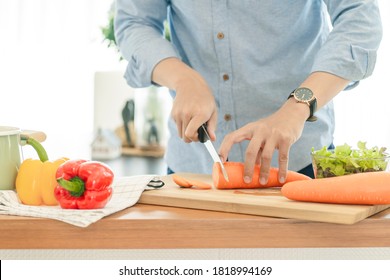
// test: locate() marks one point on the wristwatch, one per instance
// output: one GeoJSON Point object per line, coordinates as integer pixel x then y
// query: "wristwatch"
{"type": "Point", "coordinates": [305, 95]}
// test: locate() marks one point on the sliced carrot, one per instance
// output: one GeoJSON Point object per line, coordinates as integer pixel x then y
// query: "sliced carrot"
{"type": "Point", "coordinates": [180, 181]}
{"type": "Point", "coordinates": [189, 183]}
{"type": "Point", "coordinates": [235, 171]}
{"type": "Point", "coordinates": [200, 185]}
{"type": "Point", "coordinates": [371, 188]}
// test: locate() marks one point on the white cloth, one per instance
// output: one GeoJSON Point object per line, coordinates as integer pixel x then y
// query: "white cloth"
{"type": "Point", "coordinates": [127, 191]}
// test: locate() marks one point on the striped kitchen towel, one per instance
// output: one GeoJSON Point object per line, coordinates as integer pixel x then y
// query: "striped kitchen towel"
{"type": "Point", "coordinates": [126, 193]}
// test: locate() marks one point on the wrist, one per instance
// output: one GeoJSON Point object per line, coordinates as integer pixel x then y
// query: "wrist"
{"type": "Point", "coordinates": [297, 110]}
{"type": "Point", "coordinates": [305, 96]}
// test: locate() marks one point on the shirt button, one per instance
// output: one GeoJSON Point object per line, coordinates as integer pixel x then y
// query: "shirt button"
{"type": "Point", "coordinates": [227, 117]}
{"type": "Point", "coordinates": [220, 35]}
{"type": "Point", "coordinates": [225, 77]}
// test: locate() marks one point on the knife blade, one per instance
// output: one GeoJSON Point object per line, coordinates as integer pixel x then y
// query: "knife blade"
{"type": "Point", "coordinates": [205, 139]}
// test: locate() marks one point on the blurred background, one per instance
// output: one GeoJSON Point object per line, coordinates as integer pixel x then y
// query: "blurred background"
{"type": "Point", "coordinates": [58, 75]}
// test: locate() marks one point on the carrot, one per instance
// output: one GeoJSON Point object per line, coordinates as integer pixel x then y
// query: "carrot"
{"type": "Point", "coordinates": [370, 188]}
{"type": "Point", "coordinates": [180, 181]}
{"type": "Point", "coordinates": [235, 171]}
{"type": "Point", "coordinates": [189, 183]}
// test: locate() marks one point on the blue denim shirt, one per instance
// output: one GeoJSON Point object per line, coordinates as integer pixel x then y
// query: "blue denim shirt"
{"type": "Point", "coordinates": [252, 53]}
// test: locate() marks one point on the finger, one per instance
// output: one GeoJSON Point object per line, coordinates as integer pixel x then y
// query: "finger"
{"type": "Point", "coordinates": [266, 157]}
{"type": "Point", "coordinates": [185, 138]}
{"type": "Point", "coordinates": [178, 119]}
{"type": "Point", "coordinates": [258, 158]}
{"type": "Point", "coordinates": [184, 128]}
{"type": "Point", "coordinates": [212, 126]}
{"type": "Point", "coordinates": [250, 158]}
{"type": "Point", "coordinates": [283, 163]}
{"type": "Point", "coordinates": [191, 130]}
{"type": "Point", "coordinates": [229, 140]}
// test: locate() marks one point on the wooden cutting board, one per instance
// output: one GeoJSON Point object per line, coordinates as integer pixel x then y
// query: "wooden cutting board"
{"type": "Point", "coordinates": [263, 202]}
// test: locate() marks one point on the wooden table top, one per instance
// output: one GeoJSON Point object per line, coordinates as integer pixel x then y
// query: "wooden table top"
{"type": "Point", "coordinates": [160, 227]}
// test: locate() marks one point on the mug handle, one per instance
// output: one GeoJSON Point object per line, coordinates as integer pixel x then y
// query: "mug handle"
{"type": "Point", "coordinates": [37, 135]}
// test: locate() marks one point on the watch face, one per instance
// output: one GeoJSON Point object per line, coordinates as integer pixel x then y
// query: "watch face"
{"type": "Point", "coordinates": [303, 94]}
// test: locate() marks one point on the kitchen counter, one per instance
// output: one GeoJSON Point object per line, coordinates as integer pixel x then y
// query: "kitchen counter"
{"type": "Point", "coordinates": [160, 227]}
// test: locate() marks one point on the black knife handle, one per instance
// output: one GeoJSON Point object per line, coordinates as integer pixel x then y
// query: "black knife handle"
{"type": "Point", "coordinates": [201, 134]}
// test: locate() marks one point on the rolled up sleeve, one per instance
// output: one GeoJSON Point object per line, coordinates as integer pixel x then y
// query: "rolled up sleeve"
{"type": "Point", "coordinates": [350, 50]}
{"type": "Point", "coordinates": [139, 27]}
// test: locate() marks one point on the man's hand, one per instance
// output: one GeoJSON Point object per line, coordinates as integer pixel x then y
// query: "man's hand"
{"type": "Point", "coordinates": [276, 132]}
{"type": "Point", "coordinates": [281, 129]}
{"type": "Point", "coordinates": [194, 103]}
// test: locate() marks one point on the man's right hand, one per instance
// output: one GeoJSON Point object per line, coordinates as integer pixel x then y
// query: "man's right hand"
{"type": "Point", "coordinates": [194, 103]}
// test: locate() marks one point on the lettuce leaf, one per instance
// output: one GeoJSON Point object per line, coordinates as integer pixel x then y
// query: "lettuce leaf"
{"type": "Point", "coordinates": [345, 160]}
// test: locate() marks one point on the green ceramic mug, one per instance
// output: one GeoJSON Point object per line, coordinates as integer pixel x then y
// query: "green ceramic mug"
{"type": "Point", "coordinates": [9, 156]}
{"type": "Point", "coordinates": [11, 139]}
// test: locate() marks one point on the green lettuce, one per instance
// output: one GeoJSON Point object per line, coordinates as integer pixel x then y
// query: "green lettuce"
{"type": "Point", "coordinates": [344, 160]}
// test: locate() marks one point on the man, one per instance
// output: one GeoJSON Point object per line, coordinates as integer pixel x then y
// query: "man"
{"type": "Point", "coordinates": [261, 74]}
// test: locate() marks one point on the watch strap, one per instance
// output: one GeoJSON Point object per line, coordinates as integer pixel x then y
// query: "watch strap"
{"type": "Point", "coordinates": [313, 108]}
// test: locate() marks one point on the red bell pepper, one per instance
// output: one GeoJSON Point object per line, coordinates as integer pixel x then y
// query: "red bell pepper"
{"type": "Point", "coordinates": [83, 184]}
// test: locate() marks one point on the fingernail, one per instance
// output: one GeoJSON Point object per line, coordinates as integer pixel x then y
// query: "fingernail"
{"type": "Point", "coordinates": [282, 179]}
{"type": "Point", "coordinates": [263, 181]}
{"type": "Point", "coordinates": [247, 179]}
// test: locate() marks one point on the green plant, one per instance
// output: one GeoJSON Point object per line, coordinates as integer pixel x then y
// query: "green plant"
{"type": "Point", "coordinates": [108, 31]}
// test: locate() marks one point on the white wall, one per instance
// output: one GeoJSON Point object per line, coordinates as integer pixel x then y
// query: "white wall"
{"type": "Point", "coordinates": [363, 114]}
{"type": "Point", "coordinates": [49, 52]}
{"type": "Point", "coordinates": [51, 49]}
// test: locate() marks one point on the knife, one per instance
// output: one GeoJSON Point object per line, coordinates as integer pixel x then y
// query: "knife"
{"type": "Point", "coordinates": [205, 139]}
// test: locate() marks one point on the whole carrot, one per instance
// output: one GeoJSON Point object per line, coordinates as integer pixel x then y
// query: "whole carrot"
{"type": "Point", "coordinates": [370, 188]}
{"type": "Point", "coordinates": [235, 171]}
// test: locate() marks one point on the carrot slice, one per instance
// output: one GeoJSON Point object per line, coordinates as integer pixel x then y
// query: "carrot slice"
{"type": "Point", "coordinates": [199, 184]}
{"type": "Point", "coordinates": [180, 181]}
{"type": "Point", "coordinates": [371, 188]}
{"type": "Point", "coordinates": [189, 183]}
{"type": "Point", "coordinates": [235, 171]}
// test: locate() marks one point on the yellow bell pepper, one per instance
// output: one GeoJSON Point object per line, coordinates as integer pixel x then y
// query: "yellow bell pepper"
{"type": "Point", "coordinates": [36, 178]}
